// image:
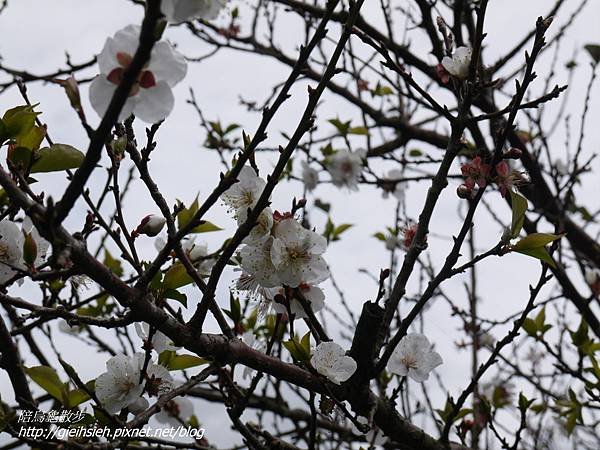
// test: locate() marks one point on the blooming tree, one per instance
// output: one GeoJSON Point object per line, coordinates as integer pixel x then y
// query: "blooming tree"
{"type": "Point", "coordinates": [265, 323]}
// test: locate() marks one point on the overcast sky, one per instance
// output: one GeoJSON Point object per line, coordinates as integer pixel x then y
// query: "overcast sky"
{"type": "Point", "coordinates": [36, 34]}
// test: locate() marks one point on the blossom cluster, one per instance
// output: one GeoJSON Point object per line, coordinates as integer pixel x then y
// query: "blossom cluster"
{"type": "Point", "coordinates": [130, 379]}
{"type": "Point", "coordinates": [477, 174]}
{"type": "Point", "coordinates": [279, 252]}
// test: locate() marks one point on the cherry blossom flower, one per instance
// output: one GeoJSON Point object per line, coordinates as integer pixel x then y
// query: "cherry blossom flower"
{"type": "Point", "coordinates": [345, 168]}
{"type": "Point", "coordinates": [561, 167]}
{"type": "Point", "coordinates": [40, 244]}
{"type": "Point", "coordinates": [175, 412]}
{"type": "Point", "coordinates": [138, 406]}
{"type": "Point", "coordinates": [413, 357]}
{"type": "Point", "coordinates": [256, 261]}
{"type": "Point", "coordinates": [442, 74]}
{"type": "Point", "coordinates": [296, 254]}
{"type": "Point", "coordinates": [262, 230]}
{"type": "Point", "coordinates": [160, 341]}
{"type": "Point", "coordinates": [592, 277]}
{"type": "Point", "coordinates": [249, 338]}
{"type": "Point", "coordinates": [150, 98]}
{"type": "Point", "coordinates": [458, 64]}
{"type": "Point", "coordinates": [246, 192]}
{"type": "Point", "coordinates": [183, 10]}
{"type": "Point", "coordinates": [408, 234]}
{"type": "Point", "coordinates": [151, 225]}
{"type": "Point", "coordinates": [374, 436]}
{"type": "Point", "coordinates": [330, 360]}
{"type": "Point", "coordinates": [390, 185]}
{"type": "Point", "coordinates": [314, 296]}
{"type": "Point", "coordinates": [66, 328]}
{"type": "Point", "coordinates": [11, 250]}
{"type": "Point", "coordinates": [392, 242]}
{"type": "Point", "coordinates": [507, 179]}
{"type": "Point", "coordinates": [120, 385]}
{"type": "Point", "coordinates": [310, 176]}
{"type": "Point", "coordinates": [475, 172]}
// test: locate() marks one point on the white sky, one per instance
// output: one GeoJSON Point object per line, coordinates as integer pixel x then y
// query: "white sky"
{"type": "Point", "coordinates": [36, 33]}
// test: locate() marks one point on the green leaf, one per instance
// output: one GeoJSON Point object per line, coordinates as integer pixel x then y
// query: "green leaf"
{"type": "Point", "coordinates": [18, 121]}
{"type": "Point", "coordinates": [113, 264]}
{"type": "Point", "coordinates": [20, 157]}
{"type": "Point", "coordinates": [56, 158]}
{"type": "Point", "coordinates": [530, 327]}
{"type": "Point", "coordinates": [380, 236]}
{"type": "Point", "coordinates": [177, 296]}
{"type": "Point", "coordinates": [519, 208]}
{"type": "Point", "coordinates": [342, 127]}
{"type": "Point", "coordinates": [181, 362]}
{"type": "Point", "coordinates": [535, 240]}
{"type": "Point", "coordinates": [381, 90]}
{"type": "Point", "coordinates": [363, 131]}
{"type": "Point", "coordinates": [415, 152]}
{"type": "Point", "coordinates": [205, 227]}
{"type": "Point", "coordinates": [594, 51]}
{"type": "Point", "coordinates": [299, 348]}
{"type": "Point", "coordinates": [186, 214]}
{"type": "Point", "coordinates": [47, 378]}
{"type": "Point", "coordinates": [176, 277]}
{"type": "Point", "coordinates": [337, 231]}
{"type": "Point", "coordinates": [539, 253]}
{"type": "Point", "coordinates": [78, 396]}
{"type": "Point", "coordinates": [32, 139]}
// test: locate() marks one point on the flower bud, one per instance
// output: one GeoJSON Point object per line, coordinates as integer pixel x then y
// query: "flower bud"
{"type": "Point", "coordinates": [30, 250]}
{"type": "Point", "coordinates": [463, 191]}
{"type": "Point", "coordinates": [150, 225]}
{"type": "Point", "coordinates": [513, 153]}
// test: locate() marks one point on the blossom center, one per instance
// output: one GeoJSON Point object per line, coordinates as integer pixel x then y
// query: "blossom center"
{"type": "Point", "coordinates": [4, 253]}
{"type": "Point", "coordinates": [296, 253]}
{"type": "Point", "coordinates": [410, 361]}
{"type": "Point", "coordinates": [144, 80]}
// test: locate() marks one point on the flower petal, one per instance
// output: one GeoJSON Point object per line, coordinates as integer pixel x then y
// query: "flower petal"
{"type": "Point", "coordinates": [167, 64]}
{"type": "Point", "coordinates": [154, 104]}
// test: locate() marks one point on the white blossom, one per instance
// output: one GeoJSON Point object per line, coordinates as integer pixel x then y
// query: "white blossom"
{"type": "Point", "coordinates": [120, 386]}
{"type": "Point", "coordinates": [151, 225]}
{"type": "Point", "coordinates": [592, 276]}
{"type": "Point", "coordinates": [458, 64]}
{"type": "Point", "coordinates": [374, 436]}
{"type": "Point", "coordinates": [246, 192]}
{"type": "Point", "coordinates": [11, 250]}
{"type": "Point", "coordinates": [561, 167]}
{"type": "Point", "coordinates": [314, 296]}
{"type": "Point", "coordinates": [414, 357]}
{"type": "Point", "coordinates": [183, 10]}
{"type": "Point", "coordinates": [151, 98]}
{"type": "Point", "coordinates": [256, 261]}
{"type": "Point", "coordinates": [138, 406]}
{"type": "Point", "coordinates": [261, 231]}
{"type": "Point", "coordinates": [398, 188]}
{"type": "Point", "coordinates": [345, 168]}
{"type": "Point", "coordinates": [296, 254]}
{"type": "Point", "coordinates": [330, 360]}
{"type": "Point", "coordinates": [176, 411]}
{"type": "Point", "coordinates": [310, 176]}
{"type": "Point", "coordinates": [64, 326]}
{"type": "Point", "coordinates": [160, 341]}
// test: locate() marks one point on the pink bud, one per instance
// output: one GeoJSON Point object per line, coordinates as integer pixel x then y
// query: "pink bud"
{"type": "Point", "coordinates": [150, 225]}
